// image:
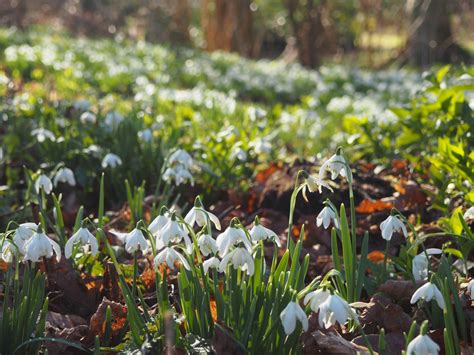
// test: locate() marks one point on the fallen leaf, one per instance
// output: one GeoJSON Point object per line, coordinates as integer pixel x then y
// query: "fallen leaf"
{"type": "Point", "coordinates": [97, 323]}
{"type": "Point", "coordinates": [376, 256]}
{"type": "Point", "coordinates": [371, 206]}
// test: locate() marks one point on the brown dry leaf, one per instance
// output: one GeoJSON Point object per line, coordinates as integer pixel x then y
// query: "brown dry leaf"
{"type": "Point", "coordinates": [371, 206]}
{"type": "Point", "coordinates": [398, 289]}
{"type": "Point", "coordinates": [333, 343]}
{"type": "Point", "coordinates": [3, 266]}
{"type": "Point", "coordinates": [263, 175]}
{"type": "Point", "coordinates": [97, 323]}
{"type": "Point", "coordinates": [399, 164]}
{"type": "Point", "coordinates": [148, 277]}
{"type": "Point", "coordinates": [62, 321]}
{"type": "Point", "coordinates": [223, 341]}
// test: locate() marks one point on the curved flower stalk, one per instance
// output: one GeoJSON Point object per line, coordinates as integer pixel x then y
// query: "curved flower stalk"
{"type": "Point", "coordinates": [169, 256]}
{"type": "Point", "coordinates": [239, 258]}
{"type": "Point", "coordinates": [232, 236]}
{"type": "Point", "coordinates": [260, 232]}
{"type": "Point", "coordinates": [420, 263]}
{"type": "Point", "coordinates": [200, 216]}
{"type": "Point", "coordinates": [84, 238]}
{"type": "Point", "coordinates": [292, 313]}
{"type": "Point", "coordinates": [428, 292]}
{"type": "Point", "coordinates": [39, 246]}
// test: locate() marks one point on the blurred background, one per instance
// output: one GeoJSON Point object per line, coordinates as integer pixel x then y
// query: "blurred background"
{"type": "Point", "coordinates": [369, 33]}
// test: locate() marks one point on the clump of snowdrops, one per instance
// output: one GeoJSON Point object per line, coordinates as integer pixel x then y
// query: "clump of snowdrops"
{"type": "Point", "coordinates": [227, 283]}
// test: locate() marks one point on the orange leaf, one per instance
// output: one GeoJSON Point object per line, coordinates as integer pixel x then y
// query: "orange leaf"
{"type": "Point", "coordinates": [376, 256]}
{"type": "Point", "coordinates": [371, 206]}
{"type": "Point", "coordinates": [213, 306]}
{"type": "Point", "coordinates": [263, 175]}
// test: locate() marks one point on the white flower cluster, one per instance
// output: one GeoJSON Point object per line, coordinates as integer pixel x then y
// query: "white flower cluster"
{"type": "Point", "coordinates": [180, 166]}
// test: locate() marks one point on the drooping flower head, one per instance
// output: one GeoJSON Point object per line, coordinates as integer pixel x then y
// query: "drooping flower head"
{"type": "Point", "coordinates": [200, 216]}
{"type": "Point", "coordinates": [392, 224]}
{"type": "Point", "coordinates": [231, 237]}
{"type": "Point", "coordinates": [290, 315]}
{"type": "Point", "coordinates": [313, 184]}
{"type": "Point", "coordinates": [428, 292]}
{"type": "Point", "coordinates": [169, 256]}
{"type": "Point", "coordinates": [43, 182]}
{"type": "Point", "coordinates": [111, 160]}
{"type": "Point", "coordinates": [239, 258]}
{"type": "Point", "coordinates": [336, 165]}
{"type": "Point", "coordinates": [64, 175]}
{"type": "Point", "coordinates": [135, 240]}
{"type": "Point", "coordinates": [326, 216]}
{"type": "Point", "coordinates": [84, 238]}
{"type": "Point", "coordinates": [39, 246]}
{"type": "Point", "coordinates": [260, 232]}
{"type": "Point", "coordinates": [420, 263]}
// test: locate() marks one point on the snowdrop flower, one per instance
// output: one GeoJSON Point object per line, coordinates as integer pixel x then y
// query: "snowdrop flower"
{"type": "Point", "coordinates": [145, 135]}
{"type": "Point", "coordinates": [199, 215]}
{"type": "Point", "coordinates": [39, 245]}
{"type": "Point", "coordinates": [230, 237]}
{"type": "Point", "coordinates": [390, 225]}
{"type": "Point", "coordinates": [43, 182]}
{"type": "Point", "coordinates": [88, 118]}
{"type": "Point", "coordinates": [259, 232]}
{"type": "Point", "coordinates": [470, 288]}
{"type": "Point", "coordinates": [22, 234]}
{"type": "Point", "coordinates": [212, 263]}
{"type": "Point", "coordinates": [420, 263]}
{"type": "Point", "coordinates": [316, 298]}
{"type": "Point", "coordinates": [64, 175]}
{"type": "Point", "coordinates": [7, 251]}
{"type": "Point", "coordinates": [42, 134]}
{"type": "Point", "coordinates": [422, 345]}
{"type": "Point", "coordinates": [82, 105]}
{"type": "Point", "coordinates": [238, 153]}
{"type": "Point", "coordinates": [83, 237]}
{"type": "Point", "coordinates": [313, 183]}
{"type": "Point", "coordinates": [469, 214]}
{"type": "Point", "coordinates": [335, 309]}
{"type": "Point", "coordinates": [169, 256]}
{"type": "Point", "coordinates": [111, 160]}
{"type": "Point", "coordinates": [113, 119]}
{"type": "Point", "coordinates": [207, 244]}
{"type": "Point", "coordinates": [239, 258]}
{"type": "Point", "coordinates": [182, 157]}
{"type": "Point", "coordinates": [427, 292]}
{"type": "Point", "coordinates": [290, 315]}
{"type": "Point", "coordinates": [173, 232]}
{"type": "Point", "coordinates": [135, 240]}
{"type": "Point", "coordinates": [159, 222]}
{"type": "Point", "coordinates": [326, 216]}
{"type": "Point", "coordinates": [179, 174]}
{"type": "Point", "coordinates": [261, 146]}
{"type": "Point", "coordinates": [337, 165]}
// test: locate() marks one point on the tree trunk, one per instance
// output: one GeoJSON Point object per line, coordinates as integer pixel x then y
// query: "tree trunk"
{"type": "Point", "coordinates": [228, 25]}
{"type": "Point", "coordinates": [431, 38]}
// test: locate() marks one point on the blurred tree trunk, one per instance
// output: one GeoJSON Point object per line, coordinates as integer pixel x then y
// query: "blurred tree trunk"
{"type": "Point", "coordinates": [168, 21]}
{"type": "Point", "coordinates": [431, 38]}
{"type": "Point", "coordinates": [228, 25]}
{"type": "Point", "coordinates": [307, 21]}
